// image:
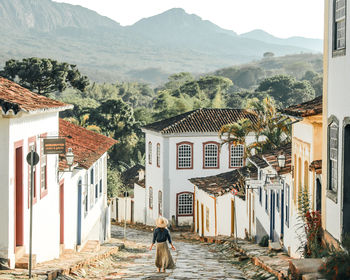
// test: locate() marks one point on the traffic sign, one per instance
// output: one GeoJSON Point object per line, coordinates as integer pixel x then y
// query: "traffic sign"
{"type": "Point", "coordinates": [35, 158]}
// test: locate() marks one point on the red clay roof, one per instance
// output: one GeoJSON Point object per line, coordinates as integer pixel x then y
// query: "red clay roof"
{"type": "Point", "coordinates": [14, 98]}
{"type": "Point", "coordinates": [316, 166]}
{"type": "Point", "coordinates": [200, 120]}
{"type": "Point", "coordinates": [306, 109]}
{"type": "Point", "coordinates": [222, 183]}
{"type": "Point", "coordinates": [87, 146]}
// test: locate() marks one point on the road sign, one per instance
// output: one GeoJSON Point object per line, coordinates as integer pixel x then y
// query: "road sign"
{"type": "Point", "coordinates": [35, 158]}
{"type": "Point", "coordinates": [54, 146]}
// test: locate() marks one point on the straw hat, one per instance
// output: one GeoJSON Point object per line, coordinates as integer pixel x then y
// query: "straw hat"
{"type": "Point", "coordinates": [161, 222]}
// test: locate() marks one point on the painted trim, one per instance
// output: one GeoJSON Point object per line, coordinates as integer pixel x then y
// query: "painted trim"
{"type": "Point", "coordinates": [35, 196]}
{"type": "Point", "coordinates": [44, 192]}
{"type": "Point", "coordinates": [150, 205]}
{"type": "Point", "coordinates": [217, 155]}
{"type": "Point", "coordinates": [149, 153]}
{"type": "Point", "coordinates": [17, 144]}
{"type": "Point", "coordinates": [177, 154]}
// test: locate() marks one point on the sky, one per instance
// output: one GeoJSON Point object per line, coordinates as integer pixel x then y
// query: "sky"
{"type": "Point", "coordinates": [281, 18]}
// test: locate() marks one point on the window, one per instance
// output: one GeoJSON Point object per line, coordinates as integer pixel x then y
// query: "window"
{"type": "Point", "coordinates": [150, 198]}
{"type": "Point", "coordinates": [207, 218]}
{"type": "Point", "coordinates": [184, 155]}
{"type": "Point", "coordinates": [32, 145]}
{"type": "Point", "coordinates": [266, 201]}
{"type": "Point", "coordinates": [306, 175]}
{"type": "Point", "coordinates": [100, 187]}
{"type": "Point", "coordinates": [96, 192]}
{"type": "Point", "coordinates": [158, 155]}
{"type": "Point", "coordinates": [295, 179]}
{"type": "Point", "coordinates": [299, 187]}
{"type": "Point", "coordinates": [150, 152]}
{"type": "Point", "coordinates": [333, 156]}
{"type": "Point", "coordinates": [43, 169]}
{"type": "Point", "coordinates": [278, 201]}
{"type": "Point", "coordinates": [236, 155]}
{"type": "Point", "coordinates": [92, 176]}
{"type": "Point", "coordinates": [185, 204]}
{"type": "Point", "coordinates": [160, 203]}
{"type": "Point", "coordinates": [86, 195]}
{"type": "Point", "coordinates": [287, 206]}
{"type": "Point", "coordinates": [211, 155]}
{"type": "Point", "coordinates": [339, 23]}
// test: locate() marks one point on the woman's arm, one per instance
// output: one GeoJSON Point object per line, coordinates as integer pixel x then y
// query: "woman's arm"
{"type": "Point", "coordinates": [154, 239]}
{"type": "Point", "coordinates": [169, 239]}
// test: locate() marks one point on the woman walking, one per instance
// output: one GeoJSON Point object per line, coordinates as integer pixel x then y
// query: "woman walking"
{"type": "Point", "coordinates": [161, 235]}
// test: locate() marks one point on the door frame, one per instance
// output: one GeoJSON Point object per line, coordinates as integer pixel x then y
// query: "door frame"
{"type": "Point", "coordinates": [18, 232]}
{"type": "Point", "coordinates": [61, 207]}
{"type": "Point", "coordinates": [272, 215]}
{"type": "Point", "coordinates": [202, 219]}
{"type": "Point", "coordinates": [79, 216]}
{"type": "Point", "coordinates": [232, 217]}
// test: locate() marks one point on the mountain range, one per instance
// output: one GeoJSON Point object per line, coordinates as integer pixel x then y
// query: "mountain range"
{"type": "Point", "coordinates": [148, 50]}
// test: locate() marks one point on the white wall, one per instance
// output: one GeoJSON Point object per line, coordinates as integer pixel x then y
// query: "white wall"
{"type": "Point", "coordinates": [172, 181]}
{"type": "Point", "coordinates": [139, 199]}
{"type": "Point", "coordinates": [122, 202]}
{"type": "Point", "coordinates": [208, 202]}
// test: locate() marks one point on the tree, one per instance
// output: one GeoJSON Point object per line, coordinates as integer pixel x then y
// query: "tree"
{"type": "Point", "coordinates": [286, 90]}
{"type": "Point", "coordinates": [44, 75]}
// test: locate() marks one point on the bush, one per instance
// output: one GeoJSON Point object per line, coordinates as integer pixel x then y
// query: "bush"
{"type": "Point", "coordinates": [337, 265]}
{"type": "Point", "coordinates": [264, 242]}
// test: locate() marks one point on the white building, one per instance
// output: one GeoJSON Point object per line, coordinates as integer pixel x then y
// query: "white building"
{"type": "Point", "coordinates": [184, 147]}
{"type": "Point", "coordinates": [336, 122]}
{"type": "Point", "coordinates": [221, 206]}
{"type": "Point", "coordinates": [84, 213]}
{"type": "Point", "coordinates": [25, 120]}
{"type": "Point", "coordinates": [272, 205]}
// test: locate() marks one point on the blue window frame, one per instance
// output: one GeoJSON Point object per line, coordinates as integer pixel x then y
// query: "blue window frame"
{"type": "Point", "coordinates": [287, 199]}
{"type": "Point", "coordinates": [278, 201]}
{"type": "Point", "coordinates": [92, 176]}
{"type": "Point", "coordinates": [266, 201]}
{"type": "Point", "coordinates": [100, 187]}
{"type": "Point", "coordinates": [260, 195]}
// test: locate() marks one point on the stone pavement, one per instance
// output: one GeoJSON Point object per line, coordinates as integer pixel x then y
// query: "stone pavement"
{"type": "Point", "coordinates": [194, 260]}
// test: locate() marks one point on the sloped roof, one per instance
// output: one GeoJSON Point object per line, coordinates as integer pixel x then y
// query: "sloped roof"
{"type": "Point", "coordinates": [200, 120]}
{"type": "Point", "coordinates": [14, 98]}
{"type": "Point", "coordinates": [222, 183]}
{"type": "Point", "coordinates": [270, 159]}
{"type": "Point", "coordinates": [316, 166]}
{"type": "Point", "coordinates": [306, 109]}
{"type": "Point", "coordinates": [131, 176]}
{"type": "Point", "coordinates": [87, 146]}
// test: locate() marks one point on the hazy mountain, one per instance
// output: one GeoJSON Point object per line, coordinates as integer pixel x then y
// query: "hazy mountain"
{"type": "Point", "coordinates": [261, 35]}
{"type": "Point", "coordinates": [149, 50]}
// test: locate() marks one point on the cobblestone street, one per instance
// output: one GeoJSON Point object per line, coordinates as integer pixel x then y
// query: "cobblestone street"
{"type": "Point", "coordinates": [194, 260]}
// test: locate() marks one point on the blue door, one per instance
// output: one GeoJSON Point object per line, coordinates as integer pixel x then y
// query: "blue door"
{"type": "Point", "coordinates": [79, 213]}
{"type": "Point", "coordinates": [272, 216]}
{"type": "Point", "coordinates": [282, 212]}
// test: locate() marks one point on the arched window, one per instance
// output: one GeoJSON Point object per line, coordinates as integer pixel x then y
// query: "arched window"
{"type": "Point", "coordinates": [211, 155]}
{"type": "Point", "coordinates": [158, 155]}
{"type": "Point", "coordinates": [306, 175]}
{"type": "Point", "coordinates": [150, 152]}
{"type": "Point", "coordinates": [184, 204]}
{"type": "Point", "coordinates": [160, 203]}
{"type": "Point", "coordinates": [236, 155]}
{"type": "Point", "coordinates": [184, 155]}
{"type": "Point", "coordinates": [150, 198]}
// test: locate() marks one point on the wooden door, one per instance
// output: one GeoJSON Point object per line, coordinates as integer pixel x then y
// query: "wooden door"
{"type": "Point", "coordinates": [19, 196]}
{"type": "Point", "coordinates": [232, 218]}
{"type": "Point", "coordinates": [61, 213]}
{"type": "Point", "coordinates": [202, 219]}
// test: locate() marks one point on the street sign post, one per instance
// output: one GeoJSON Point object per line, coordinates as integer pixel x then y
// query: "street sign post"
{"type": "Point", "coordinates": [32, 159]}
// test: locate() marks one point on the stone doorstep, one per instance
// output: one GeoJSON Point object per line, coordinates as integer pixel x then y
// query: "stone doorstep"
{"type": "Point", "coordinates": [298, 268]}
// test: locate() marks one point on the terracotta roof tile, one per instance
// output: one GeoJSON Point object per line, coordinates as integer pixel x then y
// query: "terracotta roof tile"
{"type": "Point", "coordinates": [14, 98]}
{"type": "Point", "coordinates": [200, 120]}
{"type": "Point", "coordinates": [220, 184]}
{"type": "Point", "coordinates": [316, 166]}
{"type": "Point", "coordinates": [271, 158]}
{"type": "Point", "coordinates": [306, 109]}
{"type": "Point", "coordinates": [87, 146]}
{"type": "Point", "coordinates": [258, 161]}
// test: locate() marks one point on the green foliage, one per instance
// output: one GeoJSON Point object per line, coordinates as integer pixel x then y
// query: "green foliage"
{"type": "Point", "coordinates": [303, 202]}
{"type": "Point", "coordinates": [264, 242]}
{"type": "Point", "coordinates": [286, 90]}
{"type": "Point", "coordinates": [114, 182]}
{"type": "Point", "coordinates": [44, 75]}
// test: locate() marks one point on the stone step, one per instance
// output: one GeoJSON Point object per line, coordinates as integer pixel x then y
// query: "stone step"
{"type": "Point", "coordinates": [275, 246]}
{"type": "Point", "coordinates": [298, 268]}
{"type": "Point", "coordinates": [23, 262]}
{"type": "Point", "coordinates": [91, 246]}
{"type": "Point", "coordinates": [19, 252]}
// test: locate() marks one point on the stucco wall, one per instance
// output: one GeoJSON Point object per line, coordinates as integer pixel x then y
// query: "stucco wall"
{"type": "Point", "coordinates": [139, 199]}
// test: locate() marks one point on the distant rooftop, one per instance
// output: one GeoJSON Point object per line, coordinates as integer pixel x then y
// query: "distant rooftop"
{"type": "Point", "coordinates": [222, 183]}
{"type": "Point", "coordinates": [200, 120]}
{"type": "Point", "coordinates": [306, 109]}
{"type": "Point", "coordinates": [14, 98]}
